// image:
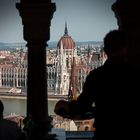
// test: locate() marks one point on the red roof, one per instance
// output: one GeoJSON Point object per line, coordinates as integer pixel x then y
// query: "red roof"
{"type": "Point", "coordinates": [67, 42]}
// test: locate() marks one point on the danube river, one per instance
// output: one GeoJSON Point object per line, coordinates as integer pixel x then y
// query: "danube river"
{"type": "Point", "coordinates": [17, 105]}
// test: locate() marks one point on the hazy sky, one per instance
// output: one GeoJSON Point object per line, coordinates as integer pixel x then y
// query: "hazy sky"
{"type": "Point", "coordinates": [88, 20]}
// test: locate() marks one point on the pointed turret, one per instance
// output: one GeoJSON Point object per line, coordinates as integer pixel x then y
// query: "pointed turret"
{"type": "Point", "coordinates": [66, 29]}
{"type": "Point", "coordinates": [67, 41]}
{"type": "Point", "coordinates": [62, 53]}
{"type": "Point", "coordinates": [73, 86]}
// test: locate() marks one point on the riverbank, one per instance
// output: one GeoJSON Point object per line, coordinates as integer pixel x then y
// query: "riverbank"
{"type": "Point", "coordinates": [4, 93]}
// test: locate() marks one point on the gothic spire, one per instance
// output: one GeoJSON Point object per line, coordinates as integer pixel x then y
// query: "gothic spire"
{"type": "Point", "coordinates": [66, 29]}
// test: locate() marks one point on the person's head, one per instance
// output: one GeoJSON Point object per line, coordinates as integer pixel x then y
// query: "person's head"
{"type": "Point", "coordinates": [1, 109]}
{"type": "Point", "coordinates": [115, 44]}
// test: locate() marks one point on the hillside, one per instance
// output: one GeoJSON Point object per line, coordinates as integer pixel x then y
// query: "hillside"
{"type": "Point", "coordinates": [6, 46]}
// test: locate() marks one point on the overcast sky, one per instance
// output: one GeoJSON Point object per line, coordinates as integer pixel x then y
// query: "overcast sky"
{"type": "Point", "coordinates": [88, 20]}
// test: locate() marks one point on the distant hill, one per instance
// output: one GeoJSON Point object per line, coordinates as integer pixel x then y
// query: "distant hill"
{"type": "Point", "coordinates": [52, 44]}
{"type": "Point", "coordinates": [1, 45]}
{"type": "Point", "coordinates": [6, 46]}
{"type": "Point", "coordinates": [96, 43]}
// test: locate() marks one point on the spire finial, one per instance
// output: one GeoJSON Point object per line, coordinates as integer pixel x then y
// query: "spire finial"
{"type": "Point", "coordinates": [66, 29]}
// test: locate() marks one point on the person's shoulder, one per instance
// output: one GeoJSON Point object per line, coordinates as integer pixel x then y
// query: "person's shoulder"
{"type": "Point", "coordinates": [10, 130]}
{"type": "Point", "coordinates": [8, 123]}
{"type": "Point", "coordinates": [95, 74]}
{"type": "Point", "coordinates": [97, 71]}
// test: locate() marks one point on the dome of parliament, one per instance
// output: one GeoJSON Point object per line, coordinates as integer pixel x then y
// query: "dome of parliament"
{"type": "Point", "coordinates": [66, 41]}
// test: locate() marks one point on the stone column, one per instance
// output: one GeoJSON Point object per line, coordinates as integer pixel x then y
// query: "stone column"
{"type": "Point", "coordinates": [36, 18]}
{"type": "Point", "coordinates": [128, 16]}
{"type": "Point", "coordinates": [0, 77]}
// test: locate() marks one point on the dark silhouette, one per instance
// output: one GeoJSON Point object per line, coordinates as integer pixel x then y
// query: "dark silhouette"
{"type": "Point", "coordinates": [9, 130]}
{"type": "Point", "coordinates": [108, 87]}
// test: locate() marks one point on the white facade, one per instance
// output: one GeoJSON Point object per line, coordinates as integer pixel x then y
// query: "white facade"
{"type": "Point", "coordinates": [13, 77]}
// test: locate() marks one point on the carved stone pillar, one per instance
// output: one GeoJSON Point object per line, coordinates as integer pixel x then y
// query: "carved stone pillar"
{"type": "Point", "coordinates": [36, 18]}
{"type": "Point", "coordinates": [128, 16]}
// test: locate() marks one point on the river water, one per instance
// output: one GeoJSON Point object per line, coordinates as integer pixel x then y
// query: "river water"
{"type": "Point", "coordinates": [18, 106]}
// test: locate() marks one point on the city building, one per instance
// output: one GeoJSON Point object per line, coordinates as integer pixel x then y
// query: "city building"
{"type": "Point", "coordinates": [67, 67]}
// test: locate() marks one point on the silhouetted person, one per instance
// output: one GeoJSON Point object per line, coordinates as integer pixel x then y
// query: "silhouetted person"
{"type": "Point", "coordinates": [9, 130]}
{"type": "Point", "coordinates": [110, 87]}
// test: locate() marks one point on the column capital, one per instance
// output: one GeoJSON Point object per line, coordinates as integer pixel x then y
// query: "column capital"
{"type": "Point", "coordinates": [36, 19]}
